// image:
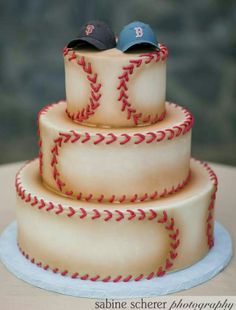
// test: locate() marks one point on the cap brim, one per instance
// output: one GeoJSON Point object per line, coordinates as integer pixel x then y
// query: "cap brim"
{"type": "Point", "coordinates": [99, 45]}
{"type": "Point", "coordinates": [133, 43]}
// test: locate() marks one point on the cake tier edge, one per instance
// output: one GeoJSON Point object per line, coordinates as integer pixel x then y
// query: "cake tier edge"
{"type": "Point", "coordinates": [115, 242]}
{"type": "Point", "coordinates": [131, 165]}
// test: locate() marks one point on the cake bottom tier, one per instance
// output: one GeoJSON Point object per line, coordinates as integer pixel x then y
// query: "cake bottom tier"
{"type": "Point", "coordinates": [115, 242]}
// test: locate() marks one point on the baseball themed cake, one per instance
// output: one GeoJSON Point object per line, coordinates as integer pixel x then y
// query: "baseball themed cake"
{"type": "Point", "coordinates": [115, 195]}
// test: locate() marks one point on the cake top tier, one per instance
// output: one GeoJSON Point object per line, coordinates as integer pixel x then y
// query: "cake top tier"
{"type": "Point", "coordinates": [114, 89]}
{"type": "Point", "coordinates": [115, 81]}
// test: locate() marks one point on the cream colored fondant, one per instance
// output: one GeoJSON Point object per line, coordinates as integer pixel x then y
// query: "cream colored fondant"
{"type": "Point", "coordinates": [146, 86]}
{"type": "Point", "coordinates": [113, 169]}
{"type": "Point", "coordinates": [114, 195]}
{"type": "Point", "coordinates": [112, 248]}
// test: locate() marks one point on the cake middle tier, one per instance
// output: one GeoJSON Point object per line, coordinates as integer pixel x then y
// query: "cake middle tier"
{"type": "Point", "coordinates": [122, 165]}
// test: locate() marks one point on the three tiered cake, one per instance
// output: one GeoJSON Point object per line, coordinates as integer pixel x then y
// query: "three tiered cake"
{"type": "Point", "coordinates": [114, 195]}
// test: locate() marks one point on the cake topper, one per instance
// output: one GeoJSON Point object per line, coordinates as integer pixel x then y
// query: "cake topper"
{"type": "Point", "coordinates": [95, 33]}
{"type": "Point", "coordinates": [136, 33]}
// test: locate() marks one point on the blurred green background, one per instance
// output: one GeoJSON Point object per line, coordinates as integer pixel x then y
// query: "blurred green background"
{"type": "Point", "coordinates": [200, 35]}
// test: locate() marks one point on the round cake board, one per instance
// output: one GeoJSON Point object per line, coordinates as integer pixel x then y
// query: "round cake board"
{"type": "Point", "coordinates": [217, 258]}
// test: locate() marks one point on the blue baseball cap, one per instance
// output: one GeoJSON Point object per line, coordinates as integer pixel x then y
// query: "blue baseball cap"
{"type": "Point", "coordinates": [136, 33]}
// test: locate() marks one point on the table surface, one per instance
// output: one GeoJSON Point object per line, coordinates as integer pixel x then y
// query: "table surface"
{"type": "Point", "coordinates": [16, 294]}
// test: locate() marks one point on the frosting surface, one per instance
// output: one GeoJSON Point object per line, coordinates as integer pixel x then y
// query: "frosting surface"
{"type": "Point", "coordinates": [97, 164]}
{"type": "Point", "coordinates": [114, 89]}
{"type": "Point", "coordinates": [96, 241]}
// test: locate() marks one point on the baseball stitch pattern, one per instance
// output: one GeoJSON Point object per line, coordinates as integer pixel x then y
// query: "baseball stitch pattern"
{"type": "Point", "coordinates": [41, 112]}
{"type": "Point", "coordinates": [95, 88]}
{"type": "Point", "coordinates": [210, 216]}
{"type": "Point", "coordinates": [128, 70]}
{"type": "Point", "coordinates": [118, 215]}
{"type": "Point", "coordinates": [161, 218]}
{"type": "Point", "coordinates": [136, 138]}
{"type": "Point", "coordinates": [106, 215]}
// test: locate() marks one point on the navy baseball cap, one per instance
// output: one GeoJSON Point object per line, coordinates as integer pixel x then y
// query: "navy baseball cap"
{"type": "Point", "coordinates": [95, 33]}
{"type": "Point", "coordinates": [136, 33]}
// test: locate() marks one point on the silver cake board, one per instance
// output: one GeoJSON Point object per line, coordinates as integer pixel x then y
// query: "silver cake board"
{"type": "Point", "coordinates": [214, 262]}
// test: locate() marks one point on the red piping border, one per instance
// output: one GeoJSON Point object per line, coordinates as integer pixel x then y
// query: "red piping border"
{"type": "Point", "coordinates": [95, 95]}
{"type": "Point", "coordinates": [95, 86]}
{"type": "Point", "coordinates": [210, 215]}
{"type": "Point", "coordinates": [106, 215]}
{"type": "Point", "coordinates": [132, 114]}
{"type": "Point", "coordinates": [173, 233]}
{"type": "Point", "coordinates": [118, 215]}
{"type": "Point", "coordinates": [137, 138]}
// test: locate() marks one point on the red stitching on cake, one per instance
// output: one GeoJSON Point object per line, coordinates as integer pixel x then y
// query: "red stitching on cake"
{"type": "Point", "coordinates": [96, 215]}
{"type": "Point", "coordinates": [127, 279]}
{"type": "Point", "coordinates": [112, 199]}
{"type": "Point", "coordinates": [102, 197]}
{"type": "Point", "coordinates": [35, 201]}
{"type": "Point", "coordinates": [210, 217]}
{"type": "Point", "coordinates": [95, 93]}
{"type": "Point", "coordinates": [42, 204]}
{"type": "Point", "coordinates": [41, 112]}
{"type": "Point", "coordinates": [153, 137]}
{"type": "Point", "coordinates": [169, 261]}
{"type": "Point", "coordinates": [122, 199]}
{"type": "Point", "coordinates": [160, 272]}
{"type": "Point", "coordinates": [72, 137]}
{"type": "Point", "coordinates": [132, 214]}
{"type": "Point", "coordinates": [60, 209]}
{"type": "Point", "coordinates": [117, 279]}
{"type": "Point", "coordinates": [71, 212]}
{"type": "Point", "coordinates": [175, 245]}
{"type": "Point", "coordinates": [84, 277]}
{"type": "Point", "coordinates": [109, 215]}
{"type": "Point", "coordinates": [87, 137]}
{"type": "Point", "coordinates": [138, 278]}
{"type": "Point", "coordinates": [84, 213]}
{"type": "Point", "coordinates": [95, 278]}
{"type": "Point", "coordinates": [127, 138]}
{"type": "Point", "coordinates": [89, 197]}
{"type": "Point", "coordinates": [164, 218]}
{"type": "Point", "coordinates": [171, 135]}
{"type": "Point", "coordinates": [50, 207]}
{"type": "Point", "coordinates": [154, 195]}
{"type": "Point", "coordinates": [153, 214]}
{"type": "Point", "coordinates": [134, 198]}
{"type": "Point", "coordinates": [78, 197]}
{"type": "Point", "coordinates": [109, 138]}
{"type": "Point", "coordinates": [173, 255]}
{"type": "Point", "coordinates": [170, 227]}
{"type": "Point", "coordinates": [143, 214]}
{"type": "Point", "coordinates": [121, 215]}
{"type": "Point", "coordinates": [140, 136]}
{"type": "Point", "coordinates": [150, 276]}
{"type": "Point", "coordinates": [113, 138]}
{"type": "Point", "coordinates": [127, 214]}
{"type": "Point", "coordinates": [134, 64]}
{"type": "Point", "coordinates": [175, 235]}
{"type": "Point", "coordinates": [74, 275]}
{"type": "Point", "coordinates": [28, 198]}
{"type": "Point", "coordinates": [144, 197]}
{"type": "Point", "coordinates": [107, 279]}
{"type": "Point", "coordinates": [100, 138]}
